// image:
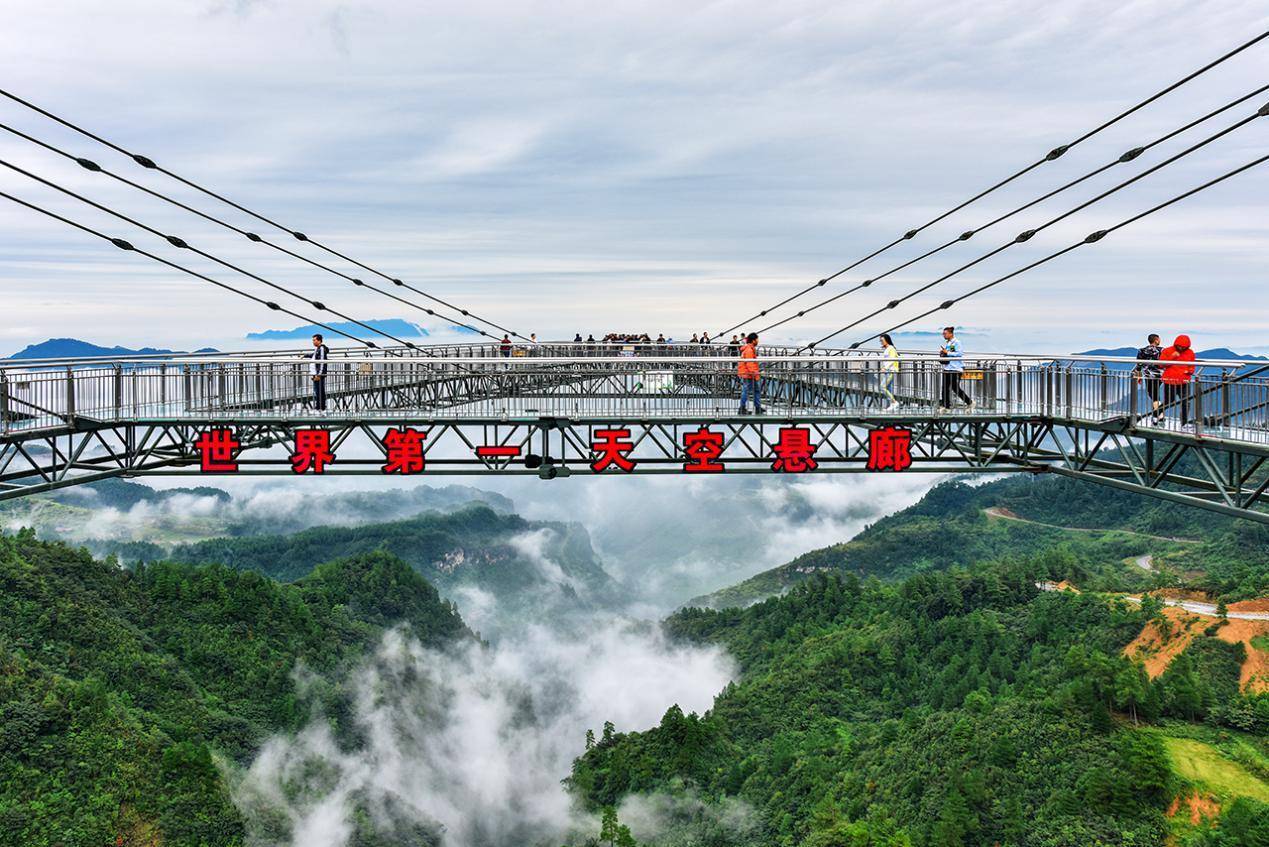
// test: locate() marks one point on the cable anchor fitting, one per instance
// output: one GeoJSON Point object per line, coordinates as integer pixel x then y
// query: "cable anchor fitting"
{"type": "Point", "coordinates": [1132, 154]}
{"type": "Point", "coordinates": [1096, 236]}
{"type": "Point", "coordinates": [121, 244]}
{"type": "Point", "coordinates": [1057, 152]}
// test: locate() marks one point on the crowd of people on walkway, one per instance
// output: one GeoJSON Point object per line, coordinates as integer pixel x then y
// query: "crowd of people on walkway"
{"type": "Point", "coordinates": [1163, 373]}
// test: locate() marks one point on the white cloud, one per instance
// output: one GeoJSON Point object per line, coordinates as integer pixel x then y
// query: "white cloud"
{"type": "Point", "coordinates": [558, 164]}
{"type": "Point", "coordinates": [474, 740]}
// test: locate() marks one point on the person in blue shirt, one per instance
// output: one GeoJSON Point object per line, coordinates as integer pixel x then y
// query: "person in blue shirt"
{"type": "Point", "coordinates": [953, 367]}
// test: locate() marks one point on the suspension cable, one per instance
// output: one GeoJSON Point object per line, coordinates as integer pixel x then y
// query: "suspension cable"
{"type": "Point", "coordinates": [147, 162]}
{"type": "Point", "coordinates": [1124, 158]}
{"type": "Point", "coordinates": [90, 165]}
{"type": "Point", "coordinates": [181, 243]}
{"type": "Point", "coordinates": [125, 245]}
{"type": "Point", "coordinates": [1091, 238]}
{"type": "Point", "coordinates": [1026, 235]}
{"type": "Point", "coordinates": [1055, 153]}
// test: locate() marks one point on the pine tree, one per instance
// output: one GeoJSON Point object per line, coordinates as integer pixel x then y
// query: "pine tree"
{"type": "Point", "coordinates": [608, 827]}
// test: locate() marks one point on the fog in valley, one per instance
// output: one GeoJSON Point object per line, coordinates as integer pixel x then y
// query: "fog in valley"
{"type": "Point", "coordinates": [469, 745]}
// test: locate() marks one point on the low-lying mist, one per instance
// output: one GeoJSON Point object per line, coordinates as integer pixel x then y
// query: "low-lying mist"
{"type": "Point", "coordinates": [467, 747]}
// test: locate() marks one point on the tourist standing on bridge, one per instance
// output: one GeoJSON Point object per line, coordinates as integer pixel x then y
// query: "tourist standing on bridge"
{"type": "Point", "coordinates": [889, 370]}
{"type": "Point", "coordinates": [733, 348]}
{"type": "Point", "coordinates": [953, 369]}
{"type": "Point", "coordinates": [317, 370]}
{"type": "Point", "coordinates": [1176, 378]}
{"type": "Point", "coordinates": [1148, 375]}
{"type": "Point", "coordinates": [750, 378]}
{"type": "Point", "coordinates": [504, 346]}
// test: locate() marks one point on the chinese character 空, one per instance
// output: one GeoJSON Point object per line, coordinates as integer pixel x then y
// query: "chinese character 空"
{"type": "Point", "coordinates": [404, 449]}
{"type": "Point", "coordinates": [889, 449]}
{"type": "Point", "coordinates": [704, 448]}
{"type": "Point", "coordinates": [216, 448]}
{"type": "Point", "coordinates": [312, 451]}
{"type": "Point", "coordinates": [612, 448]}
{"type": "Point", "coordinates": [794, 451]}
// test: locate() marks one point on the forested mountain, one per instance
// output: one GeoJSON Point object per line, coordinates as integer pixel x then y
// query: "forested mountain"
{"type": "Point", "coordinates": [960, 708]}
{"type": "Point", "coordinates": [523, 566]}
{"type": "Point", "coordinates": [137, 522]}
{"type": "Point", "coordinates": [118, 688]}
{"type": "Point", "coordinates": [957, 524]}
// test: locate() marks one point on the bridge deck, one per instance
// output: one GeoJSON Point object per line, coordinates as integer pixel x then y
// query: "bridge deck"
{"type": "Point", "coordinates": [63, 422]}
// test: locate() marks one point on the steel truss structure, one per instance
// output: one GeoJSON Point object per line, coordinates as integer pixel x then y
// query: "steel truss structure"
{"type": "Point", "coordinates": [490, 415]}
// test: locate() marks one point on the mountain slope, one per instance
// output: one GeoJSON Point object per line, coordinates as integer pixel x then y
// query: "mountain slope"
{"type": "Point", "coordinates": [119, 689]}
{"type": "Point", "coordinates": [524, 566]}
{"type": "Point", "coordinates": [950, 526]}
{"type": "Point", "coordinates": [955, 709]}
{"type": "Point", "coordinates": [65, 348]}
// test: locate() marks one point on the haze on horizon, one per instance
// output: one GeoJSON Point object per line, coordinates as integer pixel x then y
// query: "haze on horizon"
{"type": "Point", "coordinates": [647, 167]}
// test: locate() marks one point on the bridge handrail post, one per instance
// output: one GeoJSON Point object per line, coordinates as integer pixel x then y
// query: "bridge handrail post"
{"type": "Point", "coordinates": [187, 379]}
{"type": "Point", "coordinates": [4, 400]}
{"type": "Point", "coordinates": [1070, 390]}
{"type": "Point", "coordinates": [1105, 389]}
{"type": "Point", "coordinates": [1197, 387]}
{"type": "Point", "coordinates": [1227, 411]}
{"type": "Point", "coordinates": [117, 390]}
{"type": "Point", "coordinates": [70, 396]}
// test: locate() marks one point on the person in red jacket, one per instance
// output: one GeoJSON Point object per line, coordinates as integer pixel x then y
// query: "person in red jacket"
{"type": "Point", "coordinates": [1176, 377]}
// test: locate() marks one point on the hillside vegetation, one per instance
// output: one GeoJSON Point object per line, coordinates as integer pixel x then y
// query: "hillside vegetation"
{"type": "Point", "coordinates": [951, 527]}
{"type": "Point", "coordinates": [962, 708]}
{"type": "Point", "coordinates": [119, 689]}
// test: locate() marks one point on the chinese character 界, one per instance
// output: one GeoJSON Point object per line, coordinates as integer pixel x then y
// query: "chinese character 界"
{"type": "Point", "coordinates": [312, 451]}
{"type": "Point", "coordinates": [704, 448]}
{"type": "Point", "coordinates": [216, 448]}
{"type": "Point", "coordinates": [404, 449]}
{"type": "Point", "coordinates": [612, 449]}
{"type": "Point", "coordinates": [889, 449]}
{"type": "Point", "coordinates": [794, 451]}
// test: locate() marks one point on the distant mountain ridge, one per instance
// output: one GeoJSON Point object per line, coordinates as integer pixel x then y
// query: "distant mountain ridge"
{"type": "Point", "coordinates": [393, 326]}
{"type": "Point", "coordinates": [66, 348]}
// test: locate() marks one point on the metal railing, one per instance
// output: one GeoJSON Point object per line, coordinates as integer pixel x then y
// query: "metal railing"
{"type": "Point", "coordinates": [1223, 399]}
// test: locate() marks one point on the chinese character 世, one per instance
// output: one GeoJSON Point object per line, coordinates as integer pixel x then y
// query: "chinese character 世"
{"type": "Point", "coordinates": [612, 450]}
{"type": "Point", "coordinates": [794, 451]}
{"type": "Point", "coordinates": [216, 448]}
{"type": "Point", "coordinates": [312, 451]}
{"type": "Point", "coordinates": [704, 449]}
{"type": "Point", "coordinates": [404, 449]}
{"type": "Point", "coordinates": [889, 449]}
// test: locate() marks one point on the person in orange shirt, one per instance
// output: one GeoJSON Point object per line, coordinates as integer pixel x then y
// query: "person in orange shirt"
{"type": "Point", "coordinates": [1176, 377]}
{"type": "Point", "coordinates": [750, 378]}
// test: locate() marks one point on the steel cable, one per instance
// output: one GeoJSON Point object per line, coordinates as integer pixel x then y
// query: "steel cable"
{"type": "Point", "coordinates": [1055, 153]}
{"type": "Point", "coordinates": [1088, 239]}
{"type": "Point", "coordinates": [1129, 156]}
{"type": "Point", "coordinates": [182, 244]}
{"type": "Point", "coordinates": [147, 162]}
{"type": "Point", "coordinates": [128, 246]}
{"type": "Point", "coordinates": [1027, 235]}
{"type": "Point", "coordinates": [90, 165]}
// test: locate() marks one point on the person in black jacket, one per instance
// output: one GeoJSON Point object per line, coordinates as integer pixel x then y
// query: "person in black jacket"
{"type": "Point", "coordinates": [1148, 375]}
{"type": "Point", "coordinates": [318, 371]}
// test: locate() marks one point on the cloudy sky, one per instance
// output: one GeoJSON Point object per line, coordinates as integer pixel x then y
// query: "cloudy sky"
{"type": "Point", "coordinates": [636, 166]}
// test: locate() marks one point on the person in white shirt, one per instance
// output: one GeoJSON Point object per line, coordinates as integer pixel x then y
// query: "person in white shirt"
{"type": "Point", "coordinates": [953, 369]}
{"type": "Point", "coordinates": [317, 370]}
{"type": "Point", "coordinates": [889, 370]}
